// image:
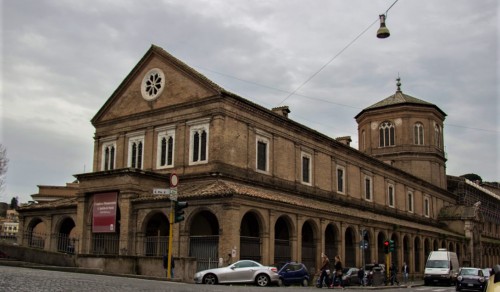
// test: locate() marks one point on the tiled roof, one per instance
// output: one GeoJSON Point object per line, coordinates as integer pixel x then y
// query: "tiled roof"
{"type": "Point", "coordinates": [220, 188]}
{"type": "Point", "coordinates": [398, 98]}
{"type": "Point", "coordinates": [61, 203]}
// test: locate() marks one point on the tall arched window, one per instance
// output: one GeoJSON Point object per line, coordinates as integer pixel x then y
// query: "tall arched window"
{"type": "Point", "coordinates": [438, 136]}
{"type": "Point", "coordinates": [386, 132]}
{"type": "Point", "coordinates": [418, 134]}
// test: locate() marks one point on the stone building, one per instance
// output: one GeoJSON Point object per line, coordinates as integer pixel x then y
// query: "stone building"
{"type": "Point", "coordinates": [259, 185]}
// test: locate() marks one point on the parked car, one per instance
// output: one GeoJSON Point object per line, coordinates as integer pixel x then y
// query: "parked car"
{"type": "Point", "coordinates": [244, 271]}
{"type": "Point", "coordinates": [494, 281]}
{"type": "Point", "coordinates": [375, 274]}
{"type": "Point", "coordinates": [487, 272]}
{"type": "Point", "coordinates": [350, 276]}
{"type": "Point", "coordinates": [293, 273]}
{"type": "Point", "coordinates": [470, 279]}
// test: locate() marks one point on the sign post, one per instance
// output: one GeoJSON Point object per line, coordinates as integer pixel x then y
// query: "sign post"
{"type": "Point", "coordinates": [174, 180]}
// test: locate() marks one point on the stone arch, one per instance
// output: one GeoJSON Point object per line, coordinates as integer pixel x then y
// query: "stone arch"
{"type": "Point", "coordinates": [204, 238]}
{"type": "Point", "coordinates": [435, 245]}
{"type": "Point", "coordinates": [406, 249]}
{"type": "Point", "coordinates": [417, 248]}
{"type": "Point", "coordinates": [250, 236]}
{"type": "Point", "coordinates": [36, 233]}
{"type": "Point", "coordinates": [331, 240]}
{"type": "Point", "coordinates": [427, 248]}
{"type": "Point", "coordinates": [156, 228]}
{"type": "Point", "coordinates": [283, 233]}
{"type": "Point", "coordinates": [366, 253]}
{"type": "Point", "coordinates": [381, 237]}
{"type": "Point", "coordinates": [397, 247]}
{"type": "Point", "coordinates": [308, 245]}
{"type": "Point", "coordinates": [350, 247]}
{"type": "Point", "coordinates": [66, 235]}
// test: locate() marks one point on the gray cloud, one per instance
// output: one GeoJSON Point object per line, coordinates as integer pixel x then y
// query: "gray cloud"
{"type": "Point", "coordinates": [63, 59]}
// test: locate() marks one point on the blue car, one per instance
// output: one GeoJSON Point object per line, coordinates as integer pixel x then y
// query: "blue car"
{"type": "Point", "coordinates": [293, 273]}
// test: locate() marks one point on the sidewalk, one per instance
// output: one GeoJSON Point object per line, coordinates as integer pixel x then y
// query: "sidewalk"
{"type": "Point", "coordinates": [21, 264]}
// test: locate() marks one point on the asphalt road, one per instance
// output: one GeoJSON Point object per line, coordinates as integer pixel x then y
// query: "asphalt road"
{"type": "Point", "coordinates": [19, 279]}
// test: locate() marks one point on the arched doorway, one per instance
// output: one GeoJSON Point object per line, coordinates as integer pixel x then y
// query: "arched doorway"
{"type": "Point", "coordinates": [36, 233]}
{"type": "Point", "coordinates": [397, 246]}
{"type": "Point", "coordinates": [66, 237]}
{"type": "Point", "coordinates": [380, 252]}
{"type": "Point", "coordinates": [427, 248]}
{"type": "Point", "coordinates": [350, 248]}
{"type": "Point", "coordinates": [204, 240]}
{"type": "Point", "coordinates": [308, 247]}
{"type": "Point", "coordinates": [282, 247]}
{"type": "Point", "coordinates": [406, 250]}
{"type": "Point", "coordinates": [418, 264]}
{"type": "Point", "coordinates": [366, 248]}
{"type": "Point", "coordinates": [156, 235]}
{"type": "Point", "coordinates": [331, 241]}
{"type": "Point", "coordinates": [250, 241]}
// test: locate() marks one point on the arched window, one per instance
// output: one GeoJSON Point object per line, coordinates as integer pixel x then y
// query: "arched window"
{"type": "Point", "coordinates": [438, 136]}
{"type": "Point", "coordinates": [386, 132]}
{"type": "Point", "coordinates": [198, 144]}
{"type": "Point", "coordinates": [418, 134]}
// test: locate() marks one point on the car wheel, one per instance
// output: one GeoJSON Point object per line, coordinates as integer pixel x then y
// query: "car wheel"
{"type": "Point", "coordinates": [262, 280]}
{"type": "Point", "coordinates": [210, 279]}
{"type": "Point", "coordinates": [305, 282]}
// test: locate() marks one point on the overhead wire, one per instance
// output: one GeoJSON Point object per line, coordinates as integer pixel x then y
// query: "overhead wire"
{"type": "Point", "coordinates": [334, 57]}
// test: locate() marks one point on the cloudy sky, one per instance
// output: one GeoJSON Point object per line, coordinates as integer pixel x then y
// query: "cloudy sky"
{"type": "Point", "coordinates": [61, 60]}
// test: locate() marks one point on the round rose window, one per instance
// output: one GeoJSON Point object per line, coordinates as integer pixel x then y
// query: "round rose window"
{"type": "Point", "coordinates": [152, 84]}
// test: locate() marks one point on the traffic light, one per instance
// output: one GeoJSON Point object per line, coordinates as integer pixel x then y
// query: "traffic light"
{"type": "Point", "coordinates": [386, 246]}
{"type": "Point", "coordinates": [391, 246]}
{"type": "Point", "coordinates": [179, 213]}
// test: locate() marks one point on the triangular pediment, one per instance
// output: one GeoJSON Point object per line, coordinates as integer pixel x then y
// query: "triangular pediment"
{"type": "Point", "coordinates": [159, 80]}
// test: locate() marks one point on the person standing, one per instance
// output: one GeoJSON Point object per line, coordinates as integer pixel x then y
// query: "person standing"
{"type": "Point", "coordinates": [406, 271]}
{"type": "Point", "coordinates": [172, 266]}
{"type": "Point", "coordinates": [325, 267]}
{"type": "Point", "coordinates": [337, 275]}
{"type": "Point", "coordinates": [394, 272]}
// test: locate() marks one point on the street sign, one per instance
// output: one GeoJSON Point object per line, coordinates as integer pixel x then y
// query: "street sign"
{"type": "Point", "coordinates": [162, 191]}
{"type": "Point", "coordinates": [173, 194]}
{"type": "Point", "coordinates": [174, 180]}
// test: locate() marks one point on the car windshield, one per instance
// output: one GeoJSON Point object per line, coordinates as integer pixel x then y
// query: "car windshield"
{"type": "Point", "coordinates": [470, 272]}
{"type": "Point", "coordinates": [437, 264]}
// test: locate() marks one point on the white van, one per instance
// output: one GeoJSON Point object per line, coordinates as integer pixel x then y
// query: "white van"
{"type": "Point", "coordinates": [441, 267]}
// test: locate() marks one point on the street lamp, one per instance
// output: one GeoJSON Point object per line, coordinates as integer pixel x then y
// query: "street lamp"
{"type": "Point", "coordinates": [383, 31]}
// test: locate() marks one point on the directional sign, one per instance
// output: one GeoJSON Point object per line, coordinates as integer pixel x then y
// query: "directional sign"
{"type": "Point", "coordinates": [162, 191]}
{"type": "Point", "coordinates": [173, 194]}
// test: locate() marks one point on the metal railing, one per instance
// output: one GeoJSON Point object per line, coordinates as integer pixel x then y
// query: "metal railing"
{"type": "Point", "coordinates": [155, 245]}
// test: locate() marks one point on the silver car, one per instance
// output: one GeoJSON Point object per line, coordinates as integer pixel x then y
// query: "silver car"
{"type": "Point", "coordinates": [244, 271]}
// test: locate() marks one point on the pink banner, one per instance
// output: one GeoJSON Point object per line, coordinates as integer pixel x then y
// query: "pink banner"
{"type": "Point", "coordinates": [104, 212]}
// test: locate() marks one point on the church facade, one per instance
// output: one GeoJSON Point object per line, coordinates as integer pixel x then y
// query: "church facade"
{"type": "Point", "coordinates": [260, 185]}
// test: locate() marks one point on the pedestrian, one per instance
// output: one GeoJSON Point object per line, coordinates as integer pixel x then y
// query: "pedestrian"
{"type": "Point", "coordinates": [361, 277]}
{"type": "Point", "coordinates": [394, 272]}
{"type": "Point", "coordinates": [324, 270]}
{"type": "Point", "coordinates": [406, 271]}
{"type": "Point", "coordinates": [165, 264]}
{"type": "Point", "coordinates": [337, 274]}
{"type": "Point", "coordinates": [172, 266]}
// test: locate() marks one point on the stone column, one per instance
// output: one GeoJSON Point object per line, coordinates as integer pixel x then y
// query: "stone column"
{"type": "Point", "coordinates": [83, 224]}
{"type": "Point", "coordinates": [229, 236]}
{"type": "Point", "coordinates": [126, 227]}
